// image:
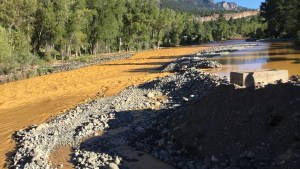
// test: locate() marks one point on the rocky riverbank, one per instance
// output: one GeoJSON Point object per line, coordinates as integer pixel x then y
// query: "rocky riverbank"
{"type": "Point", "coordinates": [225, 50]}
{"type": "Point", "coordinates": [202, 60]}
{"type": "Point", "coordinates": [36, 142]}
{"type": "Point", "coordinates": [185, 63]}
{"type": "Point", "coordinates": [149, 119]}
{"type": "Point", "coordinates": [231, 129]}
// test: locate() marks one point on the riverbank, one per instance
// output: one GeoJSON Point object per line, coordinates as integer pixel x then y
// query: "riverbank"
{"type": "Point", "coordinates": [125, 111]}
{"type": "Point", "coordinates": [231, 128]}
{"type": "Point", "coordinates": [137, 118]}
{"type": "Point", "coordinates": [62, 66]}
{"type": "Point", "coordinates": [36, 100]}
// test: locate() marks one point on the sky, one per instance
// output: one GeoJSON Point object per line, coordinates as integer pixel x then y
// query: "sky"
{"type": "Point", "coordinates": [254, 4]}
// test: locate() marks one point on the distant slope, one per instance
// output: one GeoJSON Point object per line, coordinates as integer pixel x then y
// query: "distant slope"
{"type": "Point", "coordinates": [228, 5]}
{"type": "Point", "coordinates": [189, 5]}
{"type": "Point", "coordinates": [200, 5]}
{"type": "Point", "coordinates": [228, 16]}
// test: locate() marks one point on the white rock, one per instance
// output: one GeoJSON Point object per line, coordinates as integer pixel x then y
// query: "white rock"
{"type": "Point", "coordinates": [112, 166]}
{"type": "Point", "coordinates": [117, 161]}
{"type": "Point", "coordinates": [150, 95]}
{"type": "Point", "coordinates": [185, 99]}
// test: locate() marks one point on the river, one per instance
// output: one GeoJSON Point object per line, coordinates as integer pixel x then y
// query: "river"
{"type": "Point", "coordinates": [36, 100]}
{"type": "Point", "coordinates": [269, 55]}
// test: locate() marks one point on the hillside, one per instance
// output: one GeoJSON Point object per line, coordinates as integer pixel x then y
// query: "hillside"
{"type": "Point", "coordinates": [200, 5]}
{"type": "Point", "coordinates": [237, 15]}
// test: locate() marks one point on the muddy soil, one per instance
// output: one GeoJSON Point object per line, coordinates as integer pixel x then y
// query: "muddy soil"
{"type": "Point", "coordinates": [33, 101]}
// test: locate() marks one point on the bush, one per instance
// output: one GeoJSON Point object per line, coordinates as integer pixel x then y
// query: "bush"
{"type": "Point", "coordinates": [44, 70]}
{"type": "Point", "coordinates": [6, 56]}
{"type": "Point", "coordinates": [21, 51]}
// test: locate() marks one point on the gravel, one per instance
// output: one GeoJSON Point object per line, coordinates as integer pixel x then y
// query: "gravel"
{"type": "Point", "coordinates": [260, 130]}
{"type": "Point", "coordinates": [202, 60]}
{"type": "Point", "coordinates": [225, 50]}
{"type": "Point", "coordinates": [35, 143]}
{"type": "Point", "coordinates": [192, 62]}
{"type": "Point", "coordinates": [137, 119]}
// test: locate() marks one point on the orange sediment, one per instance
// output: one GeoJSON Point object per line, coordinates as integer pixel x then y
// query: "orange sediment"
{"type": "Point", "coordinates": [36, 100]}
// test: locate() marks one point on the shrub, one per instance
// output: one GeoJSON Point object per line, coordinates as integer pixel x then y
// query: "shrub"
{"type": "Point", "coordinates": [6, 56]}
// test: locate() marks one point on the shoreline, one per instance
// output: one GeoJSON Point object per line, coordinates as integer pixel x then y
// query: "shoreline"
{"type": "Point", "coordinates": [93, 117]}
{"type": "Point", "coordinates": [61, 67]}
{"type": "Point", "coordinates": [39, 99]}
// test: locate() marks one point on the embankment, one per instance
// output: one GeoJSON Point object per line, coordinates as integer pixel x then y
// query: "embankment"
{"type": "Point", "coordinates": [228, 16]}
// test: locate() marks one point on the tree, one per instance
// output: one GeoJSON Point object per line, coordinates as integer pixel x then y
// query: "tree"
{"type": "Point", "coordinates": [222, 29]}
{"type": "Point", "coordinates": [177, 28]}
{"type": "Point", "coordinates": [282, 18]}
{"type": "Point", "coordinates": [105, 25]}
{"type": "Point", "coordinates": [55, 29]}
{"type": "Point", "coordinates": [6, 56]}
{"type": "Point", "coordinates": [18, 15]}
{"type": "Point", "coordinates": [77, 27]}
{"type": "Point", "coordinates": [162, 25]}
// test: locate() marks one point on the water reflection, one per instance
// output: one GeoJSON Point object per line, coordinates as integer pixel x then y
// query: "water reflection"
{"type": "Point", "coordinates": [266, 56]}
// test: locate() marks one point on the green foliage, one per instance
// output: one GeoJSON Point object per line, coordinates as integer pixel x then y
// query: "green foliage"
{"type": "Point", "coordinates": [45, 70]}
{"type": "Point", "coordinates": [67, 29]}
{"type": "Point", "coordinates": [282, 18]}
{"type": "Point", "coordinates": [18, 15]}
{"type": "Point", "coordinates": [5, 52]}
{"type": "Point", "coordinates": [21, 50]}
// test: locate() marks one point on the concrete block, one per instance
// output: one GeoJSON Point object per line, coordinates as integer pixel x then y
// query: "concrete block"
{"type": "Point", "coordinates": [249, 78]}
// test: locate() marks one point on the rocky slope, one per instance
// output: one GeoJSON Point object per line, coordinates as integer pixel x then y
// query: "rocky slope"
{"type": "Point", "coordinates": [191, 5]}
{"type": "Point", "coordinates": [228, 16]}
{"type": "Point", "coordinates": [232, 6]}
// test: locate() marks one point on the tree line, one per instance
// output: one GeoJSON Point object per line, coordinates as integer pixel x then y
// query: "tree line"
{"type": "Point", "coordinates": [282, 18]}
{"type": "Point", "coordinates": [31, 30]}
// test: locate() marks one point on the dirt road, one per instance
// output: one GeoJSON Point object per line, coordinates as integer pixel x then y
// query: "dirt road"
{"type": "Point", "coordinates": [36, 100]}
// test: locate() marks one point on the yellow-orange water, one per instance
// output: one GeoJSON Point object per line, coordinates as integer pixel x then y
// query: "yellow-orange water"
{"type": "Point", "coordinates": [36, 100]}
{"type": "Point", "coordinates": [268, 56]}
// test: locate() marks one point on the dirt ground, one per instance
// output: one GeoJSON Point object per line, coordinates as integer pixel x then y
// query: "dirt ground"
{"type": "Point", "coordinates": [265, 121]}
{"type": "Point", "coordinates": [61, 158]}
{"type": "Point", "coordinates": [36, 100]}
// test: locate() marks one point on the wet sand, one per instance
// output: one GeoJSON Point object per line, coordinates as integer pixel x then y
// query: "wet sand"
{"type": "Point", "coordinates": [36, 100]}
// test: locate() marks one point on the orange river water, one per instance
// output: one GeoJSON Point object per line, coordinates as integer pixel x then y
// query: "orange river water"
{"type": "Point", "coordinates": [267, 56]}
{"type": "Point", "coordinates": [38, 99]}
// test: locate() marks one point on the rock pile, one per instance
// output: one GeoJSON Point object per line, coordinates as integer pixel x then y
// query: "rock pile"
{"type": "Point", "coordinates": [225, 50]}
{"type": "Point", "coordinates": [260, 130]}
{"type": "Point", "coordinates": [202, 60]}
{"type": "Point", "coordinates": [193, 62]}
{"type": "Point", "coordinates": [36, 142]}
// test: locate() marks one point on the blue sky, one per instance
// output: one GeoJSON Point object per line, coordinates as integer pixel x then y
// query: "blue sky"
{"type": "Point", "coordinates": [246, 3]}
